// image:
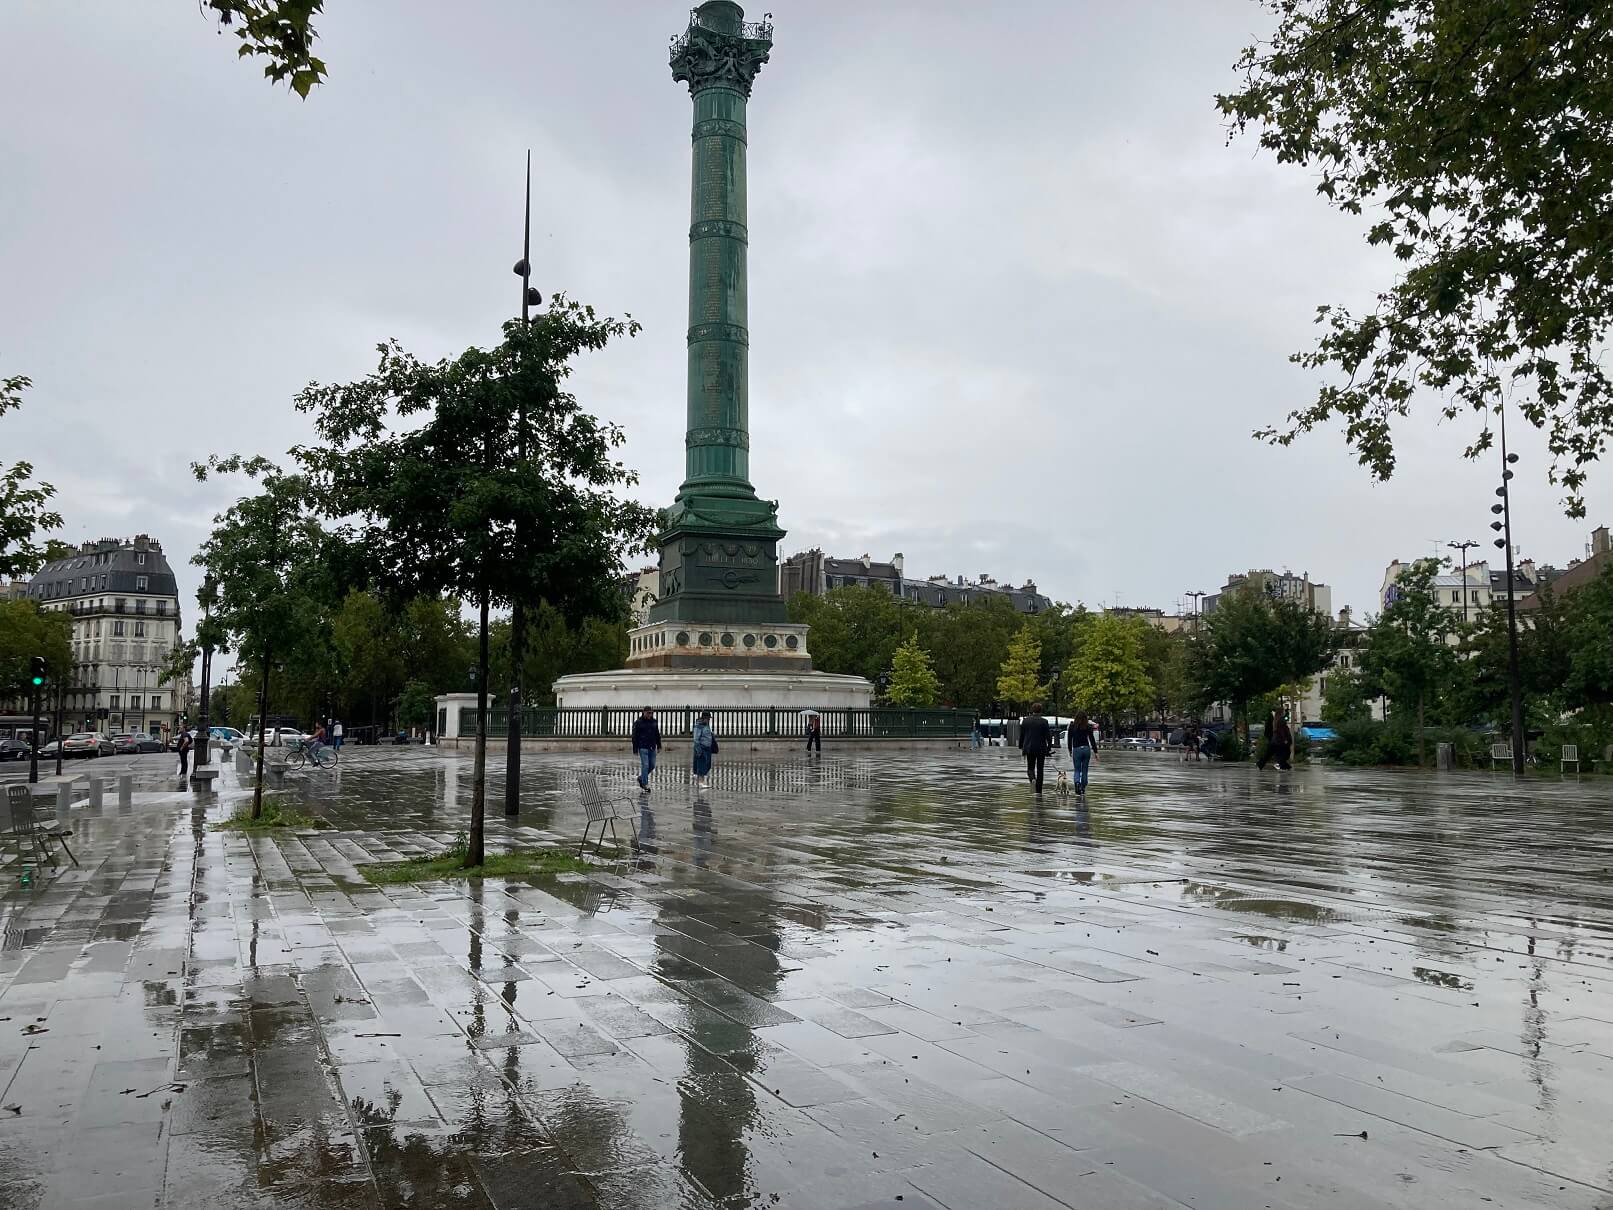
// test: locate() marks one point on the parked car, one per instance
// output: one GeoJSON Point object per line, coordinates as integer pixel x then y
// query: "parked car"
{"type": "Point", "coordinates": [279, 737]}
{"type": "Point", "coordinates": [1139, 743]}
{"type": "Point", "coordinates": [147, 743]}
{"type": "Point", "coordinates": [14, 749]}
{"type": "Point", "coordinates": [48, 752]}
{"type": "Point", "coordinates": [125, 745]}
{"type": "Point", "coordinates": [226, 735]}
{"type": "Point", "coordinates": [87, 743]}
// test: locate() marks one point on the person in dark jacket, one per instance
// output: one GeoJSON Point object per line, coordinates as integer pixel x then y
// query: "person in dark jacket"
{"type": "Point", "coordinates": [1083, 740]}
{"type": "Point", "coordinates": [814, 732]}
{"type": "Point", "coordinates": [1035, 741]}
{"type": "Point", "coordinates": [646, 742]}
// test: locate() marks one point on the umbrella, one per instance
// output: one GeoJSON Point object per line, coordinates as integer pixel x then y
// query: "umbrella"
{"type": "Point", "coordinates": [810, 714]}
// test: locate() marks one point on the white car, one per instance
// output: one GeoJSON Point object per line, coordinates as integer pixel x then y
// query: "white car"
{"type": "Point", "coordinates": [279, 737]}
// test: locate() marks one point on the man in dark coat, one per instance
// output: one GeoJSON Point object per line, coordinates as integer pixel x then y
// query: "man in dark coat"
{"type": "Point", "coordinates": [646, 742]}
{"type": "Point", "coordinates": [1035, 741]}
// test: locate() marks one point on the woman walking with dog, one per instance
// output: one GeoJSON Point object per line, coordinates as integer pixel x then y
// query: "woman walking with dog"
{"type": "Point", "coordinates": [1083, 751]}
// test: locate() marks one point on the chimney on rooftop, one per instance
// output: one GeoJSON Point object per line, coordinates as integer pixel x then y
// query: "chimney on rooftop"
{"type": "Point", "coordinates": [1599, 545]}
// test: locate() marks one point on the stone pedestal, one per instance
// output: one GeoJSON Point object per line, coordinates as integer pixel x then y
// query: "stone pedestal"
{"type": "Point", "coordinates": [735, 646]}
{"type": "Point", "coordinates": [712, 689]}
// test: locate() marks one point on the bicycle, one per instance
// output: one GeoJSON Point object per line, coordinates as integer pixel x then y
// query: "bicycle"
{"type": "Point", "coordinates": [301, 753]}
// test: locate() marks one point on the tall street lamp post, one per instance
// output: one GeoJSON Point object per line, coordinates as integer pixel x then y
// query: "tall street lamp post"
{"type": "Point", "coordinates": [1463, 546]}
{"type": "Point", "coordinates": [512, 731]}
{"type": "Point", "coordinates": [1198, 605]}
{"type": "Point", "coordinates": [1504, 528]}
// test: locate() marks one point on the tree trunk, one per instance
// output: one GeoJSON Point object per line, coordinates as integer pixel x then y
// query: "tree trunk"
{"type": "Point", "coordinates": [478, 799]}
{"type": "Point", "coordinates": [1420, 761]}
{"type": "Point", "coordinates": [263, 725]}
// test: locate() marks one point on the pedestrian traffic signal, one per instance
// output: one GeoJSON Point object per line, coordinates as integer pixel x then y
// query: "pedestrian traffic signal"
{"type": "Point", "coordinates": [37, 664]}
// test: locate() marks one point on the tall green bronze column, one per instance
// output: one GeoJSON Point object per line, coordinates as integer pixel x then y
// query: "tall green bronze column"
{"type": "Point", "coordinates": [719, 543]}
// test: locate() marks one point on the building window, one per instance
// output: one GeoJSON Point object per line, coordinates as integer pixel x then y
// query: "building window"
{"type": "Point", "coordinates": [140, 583]}
{"type": "Point", "coordinates": [156, 701]}
{"type": "Point", "coordinates": [140, 559]}
{"type": "Point", "coordinates": [112, 702]}
{"type": "Point", "coordinates": [117, 627]}
{"type": "Point", "coordinates": [162, 608]}
{"type": "Point", "coordinates": [139, 630]}
{"type": "Point", "coordinates": [117, 605]}
{"type": "Point", "coordinates": [140, 607]}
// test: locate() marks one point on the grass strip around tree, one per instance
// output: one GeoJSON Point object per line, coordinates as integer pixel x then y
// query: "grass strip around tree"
{"type": "Point", "coordinates": [428, 867]}
{"type": "Point", "coordinates": [277, 813]}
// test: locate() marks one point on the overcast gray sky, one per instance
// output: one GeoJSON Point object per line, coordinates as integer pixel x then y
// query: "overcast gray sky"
{"type": "Point", "coordinates": [1015, 304]}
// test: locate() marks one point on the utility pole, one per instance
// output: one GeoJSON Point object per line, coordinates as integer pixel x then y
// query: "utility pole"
{"type": "Point", "coordinates": [36, 678]}
{"type": "Point", "coordinates": [1464, 546]}
{"type": "Point", "coordinates": [514, 704]}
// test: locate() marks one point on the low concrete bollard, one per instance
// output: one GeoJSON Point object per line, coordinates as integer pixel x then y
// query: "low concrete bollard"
{"type": "Point", "coordinates": [64, 798]}
{"type": "Point", "coordinates": [274, 776]}
{"type": "Point", "coordinates": [125, 789]}
{"type": "Point", "coordinates": [1444, 757]}
{"type": "Point", "coordinates": [97, 786]}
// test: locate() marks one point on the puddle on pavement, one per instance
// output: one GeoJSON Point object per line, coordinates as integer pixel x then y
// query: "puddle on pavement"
{"type": "Point", "coordinates": [1230, 900]}
{"type": "Point", "coordinates": [1442, 978]}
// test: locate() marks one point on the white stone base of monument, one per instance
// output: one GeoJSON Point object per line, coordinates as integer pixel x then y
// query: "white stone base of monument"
{"type": "Point", "coordinates": [746, 647]}
{"type": "Point", "coordinates": [675, 688]}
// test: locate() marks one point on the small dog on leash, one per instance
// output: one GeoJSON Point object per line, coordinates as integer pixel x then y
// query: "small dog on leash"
{"type": "Point", "coordinates": [1062, 786]}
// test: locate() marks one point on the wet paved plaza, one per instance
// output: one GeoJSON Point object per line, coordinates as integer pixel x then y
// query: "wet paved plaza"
{"type": "Point", "coordinates": [861, 982]}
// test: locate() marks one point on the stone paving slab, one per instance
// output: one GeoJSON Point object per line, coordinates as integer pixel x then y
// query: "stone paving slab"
{"type": "Point", "coordinates": [844, 983]}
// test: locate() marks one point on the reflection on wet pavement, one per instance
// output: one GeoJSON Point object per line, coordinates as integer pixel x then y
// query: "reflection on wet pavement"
{"type": "Point", "coordinates": [872, 982]}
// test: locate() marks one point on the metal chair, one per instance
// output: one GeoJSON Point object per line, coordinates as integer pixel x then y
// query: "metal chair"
{"type": "Point", "coordinates": [601, 809]}
{"type": "Point", "coordinates": [25, 821]}
{"type": "Point", "coordinates": [1500, 754]}
{"type": "Point", "coordinates": [1570, 757]}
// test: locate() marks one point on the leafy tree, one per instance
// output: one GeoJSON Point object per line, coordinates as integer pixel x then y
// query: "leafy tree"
{"type": "Point", "coordinates": [1018, 680]}
{"type": "Point", "coordinates": [855, 629]}
{"type": "Point", "coordinates": [421, 461]}
{"type": "Point", "coordinates": [1252, 644]}
{"type": "Point", "coordinates": [1590, 676]}
{"type": "Point", "coordinates": [280, 31]}
{"type": "Point", "coordinates": [1165, 664]}
{"type": "Point", "coordinates": [27, 630]}
{"type": "Point", "coordinates": [1475, 134]}
{"type": "Point", "coordinates": [1109, 676]}
{"type": "Point", "coordinates": [24, 506]}
{"type": "Point", "coordinates": [913, 682]}
{"type": "Point", "coordinates": [1405, 651]}
{"type": "Point", "coordinates": [416, 705]}
{"type": "Point", "coordinates": [1347, 697]}
{"type": "Point", "coordinates": [967, 645]}
{"type": "Point", "coordinates": [265, 556]}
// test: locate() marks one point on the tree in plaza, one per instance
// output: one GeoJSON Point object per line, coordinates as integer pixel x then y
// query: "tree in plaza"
{"type": "Point", "coordinates": [1019, 677]}
{"type": "Point", "coordinates": [24, 505]}
{"type": "Point", "coordinates": [1165, 664]}
{"type": "Point", "coordinates": [27, 630]}
{"type": "Point", "coordinates": [912, 681]}
{"type": "Point", "coordinates": [1475, 135]}
{"type": "Point", "coordinates": [1250, 645]}
{"type": "Point", "coordinates": [1347, 696]}
{"type": "Point", "coordinates": [266, 556]}
{"type": "Point", "coordinates": [1589, 682]}
{"type": "Point", "coordinates": [1405, 650]}
{"type": "Point", "coordinates": [280, 31]}
{"type": "Point", "coordinates": [420, 460]}
{"type": "Point", "coordinates": [855, 629]}
{"type": "Point", "coordinates": [967, 644]}
{"type": "Point", "coordinates": [1108, 676]}
{"type": "Point", "coordinates": [416, 705]}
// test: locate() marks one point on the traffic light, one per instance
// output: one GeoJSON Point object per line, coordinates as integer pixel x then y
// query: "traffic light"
{"type": "Point", "coordinates": [37, 665]}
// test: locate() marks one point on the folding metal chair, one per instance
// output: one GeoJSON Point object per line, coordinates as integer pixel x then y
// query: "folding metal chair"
{"type": "Point", "coordinates": [600, 808]}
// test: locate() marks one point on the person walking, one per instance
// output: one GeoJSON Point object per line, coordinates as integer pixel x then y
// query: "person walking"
{"type": "Point", "coordinates": [647, 743]}
{"type": "Point", "coordinates": [1035, 741]}
{"type": "Point", "coordinates": [814, 734]}
{"type": "Point", "coordinates": [1279, 742]}
{"type": "Point", "coordinates": [184, 752]}
{"type": "Point", "coordinates": [336, 734]}
{"type": "Point", "coordinates": [705, 747]}
{"type": "Point", "coordinates": [1083, 751]}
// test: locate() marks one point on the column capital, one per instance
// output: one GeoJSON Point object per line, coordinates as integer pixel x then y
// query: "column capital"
{"type": "Point", "coordinates": [720, 49]}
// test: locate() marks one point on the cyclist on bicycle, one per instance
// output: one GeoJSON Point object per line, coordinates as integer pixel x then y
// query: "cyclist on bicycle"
{"type": "Point", "coordinates": [316, 742]}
